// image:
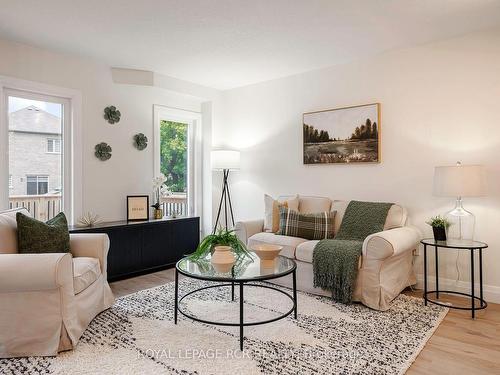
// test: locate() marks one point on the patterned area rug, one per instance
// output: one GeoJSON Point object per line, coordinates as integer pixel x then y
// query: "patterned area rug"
{"type": "Point", "coordinates": [138, 336]}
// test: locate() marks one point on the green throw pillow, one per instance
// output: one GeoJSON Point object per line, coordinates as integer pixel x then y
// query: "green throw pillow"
{"type": "Point", "coordinates": [317, 226]}
{"type": "Point", "coordinates": [34, 236]}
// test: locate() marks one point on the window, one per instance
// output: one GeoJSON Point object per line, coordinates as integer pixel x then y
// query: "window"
{"type": "Point", "coordinates": [53, 146]}
{"type": "Point", "coordinates": [178, 157]}
{"type": "Point", "coordinates": [35, 135]}
{"type": "Point", "coordinates": [37, 185]}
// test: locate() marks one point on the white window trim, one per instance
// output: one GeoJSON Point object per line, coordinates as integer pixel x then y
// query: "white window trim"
{"type": "Point", "coordinates": [193, 119]}
{"type": "Point", "coordinates": [72, 139]}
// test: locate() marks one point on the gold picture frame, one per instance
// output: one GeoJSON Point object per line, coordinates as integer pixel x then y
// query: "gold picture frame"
{"type": "Point", "coordinates": [343, 135]}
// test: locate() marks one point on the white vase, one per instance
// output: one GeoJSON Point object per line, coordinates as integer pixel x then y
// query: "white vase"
{"type": "Point", "coordinates": [223, 259]}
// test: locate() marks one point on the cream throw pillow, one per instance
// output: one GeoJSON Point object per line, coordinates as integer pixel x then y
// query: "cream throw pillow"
{"type": "Point", "coordinates": [272, 211]}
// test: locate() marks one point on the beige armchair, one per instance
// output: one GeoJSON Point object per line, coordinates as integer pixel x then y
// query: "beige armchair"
{"type": "Point", "coordinates": [48, 300]}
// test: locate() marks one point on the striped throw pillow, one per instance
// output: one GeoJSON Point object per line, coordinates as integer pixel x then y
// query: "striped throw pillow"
{"type": "Point", "coordinates": [317, 226]}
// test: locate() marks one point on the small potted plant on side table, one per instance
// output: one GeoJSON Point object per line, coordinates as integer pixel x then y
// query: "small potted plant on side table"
{"type": "Point", "coordinates": [439, 226]}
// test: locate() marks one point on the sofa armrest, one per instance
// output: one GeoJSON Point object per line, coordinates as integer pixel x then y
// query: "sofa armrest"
{"type": "Point", "coordinates": [35, 272]}
{"type": "Point", "coordinates": [246, 229]}
{"type": "Point", "coordinates": [92, 245]}
{"type": "Point", "coordinates": [390, 242]}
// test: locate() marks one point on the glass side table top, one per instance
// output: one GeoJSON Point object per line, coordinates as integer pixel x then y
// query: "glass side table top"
{"type": "Point", "coordinates": [455, 243]}
{"type": "Point", "coordinates": [246, 270]}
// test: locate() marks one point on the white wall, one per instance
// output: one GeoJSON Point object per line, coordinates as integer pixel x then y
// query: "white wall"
{"type": "Point", "coordinates": [439, 103]}
{"type": "Point", "coordinates": [129, 171]}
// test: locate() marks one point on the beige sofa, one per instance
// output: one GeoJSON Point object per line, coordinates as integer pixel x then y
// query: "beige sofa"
{"type": "Point", "coordinates": [48, 300]}
{"type": "Point", "coordinates": [385, 268]}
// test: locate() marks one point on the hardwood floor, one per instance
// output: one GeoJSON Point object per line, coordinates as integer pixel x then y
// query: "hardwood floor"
{"type": "Point", "coordinates": [460, 345]}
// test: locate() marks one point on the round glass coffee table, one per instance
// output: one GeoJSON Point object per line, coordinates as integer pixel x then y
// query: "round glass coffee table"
{"type": "Point", "coordinates": [244, 275]}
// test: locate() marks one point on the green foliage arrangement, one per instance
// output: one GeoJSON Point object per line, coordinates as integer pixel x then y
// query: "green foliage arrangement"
{"type": "Point", "coordinates": [111, 114]}
{"type": "Point", "coordinates": [173, 154]}
{"type": "Point", "coordinates": [438, 222]}
{"type": "Point", "coordinates": [103, 151]}
{"type": "Point", "coordinates": [222, 237]}
{"type": "Point", "coordinates": [140, 141]}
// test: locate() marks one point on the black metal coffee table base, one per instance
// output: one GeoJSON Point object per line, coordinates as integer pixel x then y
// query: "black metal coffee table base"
{"type": "Point", "coordinates": [241, 322]}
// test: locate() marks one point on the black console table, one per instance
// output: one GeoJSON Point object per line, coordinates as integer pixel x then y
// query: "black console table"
{"type": "Point", "coordinates": [146, 246]}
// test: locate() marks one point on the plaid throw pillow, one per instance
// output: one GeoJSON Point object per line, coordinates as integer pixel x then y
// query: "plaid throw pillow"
{"type": "Point", "coordinates": [317, 226]}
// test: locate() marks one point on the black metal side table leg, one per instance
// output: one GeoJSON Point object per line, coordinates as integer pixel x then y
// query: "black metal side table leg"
{"type": "Point", "coordinates": [425, 274]}
{"type": "Point", "coordinates": [473, 305]}
{"type": "Point", "coordinates": [232, 291]}
{"type": "Point", "coordinates": [294, 275]}
{"type": "Point", "coordinates": [437, 271]}
{"type": "Point", "coordinates": [481, 276]}
{"type": "Point", "coordinates": [241, 316]}
{"type": "Point", "coordinates": [176, 294]}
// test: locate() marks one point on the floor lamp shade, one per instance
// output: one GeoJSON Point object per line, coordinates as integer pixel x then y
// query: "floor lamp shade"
{"type": "Point", "coordinates": [225, 159]}
{"type": "Point", "coordinates": [459, 181]}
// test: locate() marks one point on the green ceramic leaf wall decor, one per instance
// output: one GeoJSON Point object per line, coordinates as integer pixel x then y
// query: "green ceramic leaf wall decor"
{"type": "Point", "coordinates": [111, 114]}
{"type": "Point", "coordinates": [140, 141]}
{"type": "Point", "coordinates": [103, 151]}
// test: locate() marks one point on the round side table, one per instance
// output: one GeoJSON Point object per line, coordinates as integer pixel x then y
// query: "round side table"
{"type": "Point", "coordinates": [457, 245]}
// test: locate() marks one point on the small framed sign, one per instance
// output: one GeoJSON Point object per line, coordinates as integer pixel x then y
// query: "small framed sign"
{"type": "Point", "coordinates": [137, 207]}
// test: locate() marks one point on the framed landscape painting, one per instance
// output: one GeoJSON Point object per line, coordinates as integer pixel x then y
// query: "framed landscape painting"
{"type": "Point", "coordinates": [343, 135]}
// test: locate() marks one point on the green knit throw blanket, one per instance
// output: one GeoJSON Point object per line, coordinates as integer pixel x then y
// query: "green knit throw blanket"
{"type": "Point", "coordinates": [335, 261]}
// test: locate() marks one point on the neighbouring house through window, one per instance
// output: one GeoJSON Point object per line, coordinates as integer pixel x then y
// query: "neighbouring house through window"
{"type": "Point", "coordinates": [37, 185]}
{"type": "Point", "coordinates": [36, 131]}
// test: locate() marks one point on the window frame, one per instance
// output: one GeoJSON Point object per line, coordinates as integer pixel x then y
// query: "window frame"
{"type": "Point", "coordinates": [55, 150]}
{"type": "Point", "coordinates": [71, 144]}
{"type": "Point", "coordinates": [194, 180]}
{"type": "Point", "coordinates": [38, 181]}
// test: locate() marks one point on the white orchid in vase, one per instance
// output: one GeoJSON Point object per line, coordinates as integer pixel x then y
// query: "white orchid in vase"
{"type": "Point", "coordinates": [158, 188]}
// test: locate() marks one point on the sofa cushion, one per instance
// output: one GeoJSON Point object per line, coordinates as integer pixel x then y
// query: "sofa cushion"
{"type": "Point", "coordinates": [316, 226]}
{"type": "Point", "coordinates": [85, 272]}
{"type": "Point", "coordinates": [272, 212]}
{"type": "Point", "coordinates": [304, 252]}
{"type": "Point", "coordinates": [35, 236]}
{"type": "Point", "coordinates": [310, 205]}
{"type": "Point", "coordinates": [8, 230]}
{"type": "Point", "coordinates": [289, 243]}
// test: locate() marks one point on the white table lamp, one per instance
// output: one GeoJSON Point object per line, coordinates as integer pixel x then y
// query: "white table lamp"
{"type": "Point", "coordinates": [459, 181]}
{"type": "Point", "coordinates": [225, 160]}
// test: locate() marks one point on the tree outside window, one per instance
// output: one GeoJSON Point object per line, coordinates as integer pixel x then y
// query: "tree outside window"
{"type": "Point", "coordinates": [174, 154]}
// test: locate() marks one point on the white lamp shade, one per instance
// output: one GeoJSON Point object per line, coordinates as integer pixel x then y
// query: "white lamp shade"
{"type": "Point", "coordinates": [459, 181]}
{"type": "Point", "coordinates": [225, 159]}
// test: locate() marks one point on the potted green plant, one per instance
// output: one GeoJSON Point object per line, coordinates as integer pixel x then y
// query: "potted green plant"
{"type": "Point", "coordinates": [439, 226]}
{"type": "Point", "coordinates": [222, 237]}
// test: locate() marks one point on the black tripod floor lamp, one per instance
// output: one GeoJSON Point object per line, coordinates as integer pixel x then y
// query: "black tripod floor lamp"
{"type": "Point", "coordinates": [225, 161]}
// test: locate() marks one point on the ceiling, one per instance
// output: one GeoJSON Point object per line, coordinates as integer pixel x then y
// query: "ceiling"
{"type": "Point", "coordinates": [229, 43]}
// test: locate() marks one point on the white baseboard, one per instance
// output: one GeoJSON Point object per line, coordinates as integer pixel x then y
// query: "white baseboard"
{"type": "Point", "coordinates": [491, 293]}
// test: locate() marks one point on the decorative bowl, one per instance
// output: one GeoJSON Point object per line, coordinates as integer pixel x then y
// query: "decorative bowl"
{"type": "Point", "coordinates": [266, 251]}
